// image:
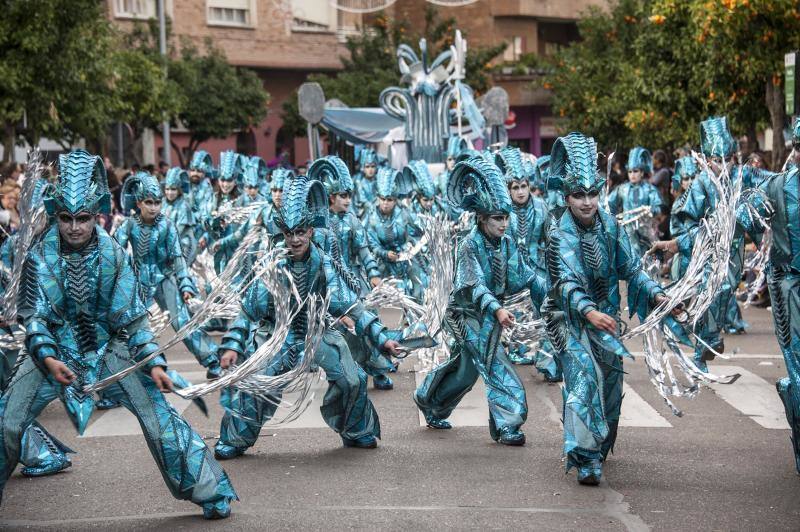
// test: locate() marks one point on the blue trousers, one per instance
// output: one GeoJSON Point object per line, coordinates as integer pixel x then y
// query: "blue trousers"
{"type": "Point", "coordinates": [187, 465]}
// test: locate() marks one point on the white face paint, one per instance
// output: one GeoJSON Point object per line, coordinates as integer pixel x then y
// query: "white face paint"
{"type": "Point", "coordinates": [520, 192]}
{"type": "Point", "coordinates": [149, 209]}
{"type": "Point", "coordinates": [583, 206]}
{"type": "Point", "coordinates": [340, 202]}
{"type": "Point", "coordinates": [370, 169]}
{"type": "Point", "coordinates": [634, 175]}
{"type": "Point", "coordinates": [494, 226]}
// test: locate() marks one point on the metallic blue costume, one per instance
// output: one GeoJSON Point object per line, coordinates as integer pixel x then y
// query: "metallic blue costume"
{"type": "Point", "coordinates": [201, 191]}
{"type": "Point", "coordinates": [179, 212]}
{"type": "Point", "coordinates": [586, 265]}
{"type": "Point", "coordinates": [365, 188]}
{"type": "Point", "coordinates": [254, 178]}
{"type": "Point", "coordinates": [160, 267]}
{"type": "Point", "coordinates": [716, 141]}
{"type": "Point", "coordinates": [529, 226]}
{"type": "Point", "coordinates": [783, 279]}
{"type": "Point", "coordinates": [487, 271]}
{"type": "Point", "coordinates": [348, 246]}
{"type": "Point", "coordinates": [685, 168]}
{"type": "Point", "coordinates": [455, 147]}
{"type": "Point", "coordinates": [81, 306]}
{"type": "Point", "coordinates": [41, 453]}
{"type": "Point", "coordinates": [629, 196]}
{"type": "Point", "coordinates": [394, 232]}
{"type": "Point", "coordinates": [425, 200]}
{"type": "Point", "coordinates": [345, 407]}
{"type": "Point", "coordinates": [220, 235]}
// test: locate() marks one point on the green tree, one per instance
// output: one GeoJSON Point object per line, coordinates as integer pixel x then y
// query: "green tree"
{"type": "Point", "coordinates": [646, 72]}
{"type": "Point", "coordinates": [55, 66]}
{"type": "Point", "coordinates": [371, 64]}
{"type": "Point", "coordinates": [220, 98]}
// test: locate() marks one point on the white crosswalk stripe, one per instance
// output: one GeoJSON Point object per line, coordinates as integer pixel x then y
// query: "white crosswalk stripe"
{"type": "Point", "coordinates": [472, 411]}
{"type": "Point", "coordinates": [752, 396]}
{"type": "Point", "coordinates": [120, 422]}
{"type": "Point", "coordinates": [636, 412]}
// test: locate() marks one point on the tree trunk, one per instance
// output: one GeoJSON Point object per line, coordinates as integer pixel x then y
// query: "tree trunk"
{"type": "Point", "coordinates": [777, 114]}
{"type": "Point", "coordinates": [181, 161]}
{"type": "Point", "coordinates": [9, 135]}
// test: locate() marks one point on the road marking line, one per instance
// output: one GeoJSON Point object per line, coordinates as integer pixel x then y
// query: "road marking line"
{"type": "Point", "coordinates": [120, 422]}
{"type": "Point", "coordinates": [472, 411]}
{"type": "Point", "coordinates": [752, 396]}
{"type": "Point", "coordinates": [636, 412]}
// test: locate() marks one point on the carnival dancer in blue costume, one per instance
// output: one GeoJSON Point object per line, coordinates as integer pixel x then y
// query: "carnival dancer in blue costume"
{"type": "Point", "coordinates": [84, 321]}
{"type": "Point", "coordinates": [455, 147]}
{"type": "Point", "coordinates": [528, 226]}
{"type": "Point", "coordinates": [588, 255]}
{"type": "Point", "coordinates": [348, 246]}
{"type": "Point", "coordinates": [488, 269]}
{"type": "Point", "coordinates": [391, 229]}
{"type": "Point", "coordinates": [719, 146]}
{"type": "Point", "coordinates": [201, 169]}
{"type": "Point", "coordinates": [636, 193]}
{"type": "Point", "coordinates": [254, 174]}
{"type": "Point", "coordinates": [365, 183]}
{"type": "Point", "coordinates": [424, 201]}
{"type": "Point", "coordinates": [159, 263]}
{"type": "Point", "coordinates": [554, 198]}
{"type": "Point", "coordinates": [685, 171]}
{"type": "Point", "coordinates": [41, 453]}
{"type": "Point", "coordinates": [345, 407]}
{"type": "Point", "coordinates": [178, 210]}
{"type": "Point", "coordinates": [783, 280]}
{"type": "Point", "coordinates": [219, 234]}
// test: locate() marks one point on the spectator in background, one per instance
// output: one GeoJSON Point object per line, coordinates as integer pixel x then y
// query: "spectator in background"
{"type": "Point", "coordinates": [11, 172]}
{"type": "Point", "coordinates": [662, 175]}
{"type": "Point", "coordinates": [9, 215]}
{"type": "Point", "coordinates": [757, 160]}
{"type": "Point", "coordinates": [617, 175]}
{"type": "Point", "coordinates": [162, 170]}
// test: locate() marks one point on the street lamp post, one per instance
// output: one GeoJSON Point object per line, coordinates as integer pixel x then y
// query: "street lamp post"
{"type": "Point", "coordinates": [162, 44]}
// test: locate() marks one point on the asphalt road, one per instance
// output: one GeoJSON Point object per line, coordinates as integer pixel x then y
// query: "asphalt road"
{"type": "Point", "coordinates": [725, 465]}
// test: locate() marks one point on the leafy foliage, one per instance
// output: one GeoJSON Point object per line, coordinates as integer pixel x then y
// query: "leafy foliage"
{"type": "Point", "coordinates": [648, 71]}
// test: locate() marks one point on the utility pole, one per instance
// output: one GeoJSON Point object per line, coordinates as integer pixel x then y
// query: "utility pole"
{"type": "Point", "coordinates": [162, 44]}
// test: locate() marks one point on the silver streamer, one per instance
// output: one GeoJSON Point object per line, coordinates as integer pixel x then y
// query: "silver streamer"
{"type": "Point", "coordinates": [705, 275]}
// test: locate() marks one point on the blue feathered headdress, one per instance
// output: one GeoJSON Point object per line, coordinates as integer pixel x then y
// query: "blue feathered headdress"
{"type": "Point", "coordinates": [305, 204]}
{"type": "Point", "coordinates": [177, 178]}
{"type": "Point", "coordinates": [230, 166]}
{"type": "Point", "coordinates": [456, 145]}
{"type": "Point", "coordinates": [139, 187]}
{"type": "Point", "coordinates": [511, 163]}
{"type": "Point", "coordinates": [332, 171]}
{"type": "Point", "coordinates": [389, 183]}
{"type": "Point", "coordinates": [417, 172]}
{"type": "Point", "coordinates": [82, 185]}
{"type": "Point", "coordinates": [715, 137]}
{"type": "Point", "coordinates": [279, 178]}
{"type": "Point", "coordinates": [796, 129]}
{"type": "Point", "coordinates": [368, 156]}
{"type": "Point", "coordinates": [573, 165]}
{"type": "Point", "coordinates": [640, 159]}
{"type": "Point", "coordinates": [684, 167]}
{"type": "Point", "coordinates": [255, 171]}
{"type": "Point", "coordinates": [540, 172]}
{"type": "Point", "coordinates": [201, 161]}
{"type": "Point", "coordinates": [477, 185]}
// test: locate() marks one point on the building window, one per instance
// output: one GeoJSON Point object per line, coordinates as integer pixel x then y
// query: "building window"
{"type": "Point", "coordinates": [514, 50]}
{"type": "Point", "coordinates": [140, 9]}
{"type": "Point", "coordinates": [313, 15]}
{"type": "Point", "coordinates": [231, 13]}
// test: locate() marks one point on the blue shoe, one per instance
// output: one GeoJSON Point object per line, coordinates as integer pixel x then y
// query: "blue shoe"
{"type": "Point", "coordinates": [217, 510]}
{"type": "Point", "coordinates": [520, 360]}
{"type": "Point", "coordinates": [382, 382]}
{"type": "Point", "coordinates": [48, 467]}
{"type": "Point", "coordinates": [591, 473]}
{"type": "Point", "coordinates": [106, 404]}
{"type": "Point", "coordinates": [436, 423]}
{"type": "Point", "coordinates": [511, 436]}
{"type": "Point", "coordinates": [364, 442]}
{"type": "Point", "coordinates": [223, 451]}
